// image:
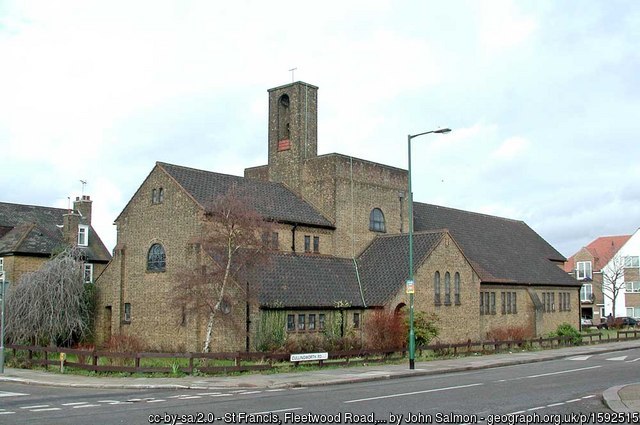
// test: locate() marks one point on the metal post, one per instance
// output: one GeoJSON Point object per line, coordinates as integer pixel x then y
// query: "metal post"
{"type": "Point", "coordinates": [3, 282]}
{"type": "Point", "coordinates": [412, 335]}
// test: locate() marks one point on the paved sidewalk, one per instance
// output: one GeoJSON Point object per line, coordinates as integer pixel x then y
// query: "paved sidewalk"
{"type": "Point", "coordinates": [624, 398]}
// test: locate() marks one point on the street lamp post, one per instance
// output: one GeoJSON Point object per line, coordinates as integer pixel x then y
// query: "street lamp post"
{"type": "Point", "coordinates": [3, 282]}
{"type": "Point", "coordinates": [410, 281]}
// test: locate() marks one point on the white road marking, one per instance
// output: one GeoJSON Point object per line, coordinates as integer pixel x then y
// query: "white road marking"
{"type": "Point", "coordinates": [579, 358]}
{"type": "Point", "coordinates": [221, 395]}
{"type": "Point", "coordinates": [86, 405]}
{"type": "Point", "coordinates": [10, 394]}
{"type": "Point", "coordinates": [278, 411]}
{"type": "Point", "coordinates": [49, 409]}
{"type": "Point", "coordinates": [155, 401]}
{"type": "Point", "coordinates": [277, 390]}
{"type": "Point", "coordinates": [555, 404]}
{"type": "Point", "coordinates": [109, 401]}
{"type": "Point", "coordinates": [617, 359]}
{"type": "Point", "coordinates": [557, 373]}
{"type": "Point", "coordinates": [74, 404]}
{"type": "Point", "coordinates": [250, 392]}
{"type": "Point", "coordinates": [39, 406]}
{"type": "Point", "coordinates": [634, 360]}
{"type": "Point", "coordinates": [208, 393]}
{"type": "Point", "coordinates": [535, 408]}
{"type": "Point", "coordinates": [190, 397]}
{"type": "Point", "coordinates": [574, 400]}
{"type": "Point", "coordinates": [414, 393]}
{"type": "Point", "coordinates": [7, 413]}
{"type": "Point", "coordinates": [298, 388]}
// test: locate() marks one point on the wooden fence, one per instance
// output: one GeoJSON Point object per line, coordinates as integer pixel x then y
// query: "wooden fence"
{"type": "Point", "coordinates": [189, 363]}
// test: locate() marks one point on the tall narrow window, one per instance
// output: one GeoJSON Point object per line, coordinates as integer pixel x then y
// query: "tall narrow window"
{"type": "Point", "coordinates": [316, 244]}
{"type": "Point", "coordinates": [321, 321]}
{"type": "Point", "coordinates": [436, 288]}
{"type": "Point", "coordinates": [127, 312]}
{"type": "Point", "coordinates": [88, 273]}
{"type": "Point", "coordinates": [447, 288]}
{"type": "Point", "coordinates": [356, 320]}
{"type": "Point", "coordinates": [376, 220]}
{"type": "Point", "coordinates": [160, 195]}
{"type": "Point", "coordinates": [312, 322]}
{"type": "Point", "coordinates": [154, 196]}
{"type": "Point", "coordinates": [83, 235]}
{"type": "Point", "coordinates": [301, 322]}
{"type": "Point", "coordinates": [456, 288]}
{"type": "Point", "coordinates": [307, 243]}
{"type": "Point", "coordinates": [291, 322]}
{"type": "Point", "coordinates": [156, 259]}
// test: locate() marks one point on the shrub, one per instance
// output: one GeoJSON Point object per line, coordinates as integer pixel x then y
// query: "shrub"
{"type": "Point", "coordinates": [385, 329]}
{"type": "Point", "coordinates": [123, 344]}
{"type": "Point", "coordinates": [82, 358]}
{"type": "Point", "coordinates": [424, 327]}
{"type": "Point", "coordinates": [271, 335]}
{"type": "Point", "coordinates": [305, 343]}
{"type": "Point", "coordinates": [566, 329]}
{"type": "Point", "coordinates": [510, 333]}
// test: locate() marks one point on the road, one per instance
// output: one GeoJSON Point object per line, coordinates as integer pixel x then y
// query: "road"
{"type": "Point", "coordinates": [536, 390]}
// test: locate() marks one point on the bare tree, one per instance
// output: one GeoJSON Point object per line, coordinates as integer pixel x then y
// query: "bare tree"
{"type": "Point", "coordinates": [236, 239]}
{"type": "Point", "coordinates": [612, 280]}
{"type": "Point", "coordinates": [51, 305]}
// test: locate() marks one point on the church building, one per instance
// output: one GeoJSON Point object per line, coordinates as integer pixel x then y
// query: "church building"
{"type": "Point", "coordinates": [340, 232]}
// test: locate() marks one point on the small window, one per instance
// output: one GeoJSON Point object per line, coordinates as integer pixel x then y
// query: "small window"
{"type": "Point", "coordinates": [83, 235]}
{"type": "Point", "coordinates": [376, 220]}
{"type": "Point", "coordinates": [1, 264]}
{"type": "Point", "coordinates": [436, 288]}
{"type": "Point", "coordinates": [307, 243]}
{"type": "Point", "coordinates": [632, 261]}
{"type": "Point", "coordinates": [301, 322]}
{"type": "Point", "coordinates": [629, 286]}
{"type": "Point", "coordinates": [154, 196]}
{"type": "Point", "coordinates": [291, 322]}
{"type": "Point", "coordinates": [586, 293]}
{"type": "Point", "coordinates": [274, 241]}
{"type": "Point", "coordinates": [316, 244]}
{"type": "Point", "coordinates": [156, 260]}
{"type": "Point", "coordinates": [356, 320]}
{"type": "Point", "coordinates": [493, 302]}
{"type": "Point", "coordinates": [583, 270]}
{"type": "Point", "coordinates": [321, 321]}
{"type": "Point", "coordinates": [312, 322]}
{"type": "Point", "coordinates": [456, 288]}
{"type": "Point", "coordinates": [160, 195]}
{"type": "Point", "coordinates": [447, 288]}
{"type": "Point", "coordinates": [88, 273]}
{"type": "Point", "coordinates": [127, 313]}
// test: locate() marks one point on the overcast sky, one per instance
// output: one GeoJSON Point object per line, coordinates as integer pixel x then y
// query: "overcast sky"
{"type": "Point", "coordinates": [542, 96]}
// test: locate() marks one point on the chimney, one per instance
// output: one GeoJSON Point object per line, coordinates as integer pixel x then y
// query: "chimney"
{"type": "Point", "coordinates": [82, 205]}
{"type": "Point", "coordinates": [70, 223]}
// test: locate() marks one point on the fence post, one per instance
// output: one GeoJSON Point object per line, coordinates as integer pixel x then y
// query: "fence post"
{"type": "Point", "coordinates": [46, 359]}
{"type": "Point", "coordinates": [190, 363]}
{"type": "Point", "coordinates": [137, 361]}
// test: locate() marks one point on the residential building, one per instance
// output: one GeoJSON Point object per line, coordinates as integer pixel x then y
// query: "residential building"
{"type": "Point", "coordinates": [591, 265]}
{"type": "Point", "coordinates": [342, 250]}
{"type": "Point", "coordinates": [30, 235]}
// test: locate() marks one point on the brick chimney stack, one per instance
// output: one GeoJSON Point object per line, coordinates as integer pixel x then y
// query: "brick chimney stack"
{"type": "Point", "coordinates": [83, 206]}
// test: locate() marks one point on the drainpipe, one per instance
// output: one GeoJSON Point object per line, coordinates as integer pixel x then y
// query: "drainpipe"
{"type": "Point", "coordinates": [293, 237]}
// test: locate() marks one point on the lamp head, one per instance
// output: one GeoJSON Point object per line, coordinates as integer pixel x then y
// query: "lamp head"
{"type": "Point", "coordinates": [442, 131]}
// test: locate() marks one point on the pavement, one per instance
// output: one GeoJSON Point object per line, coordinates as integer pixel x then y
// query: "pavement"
{"type": "Point", "coordinates": [623, 398]}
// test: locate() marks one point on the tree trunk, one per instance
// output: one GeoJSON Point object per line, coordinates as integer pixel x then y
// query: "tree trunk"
{"type": "Point", "coordinates": [207, 340]}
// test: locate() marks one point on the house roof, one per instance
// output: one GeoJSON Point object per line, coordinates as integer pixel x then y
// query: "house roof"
{"type": "Point", "coordinates": [383, 266]}
{"type": "Point", "coordinates": [307, 281]}
{"type": "Point", "coordinates": [272, 200]}
{"type": "Point", "coordinates": [35, 230]}
{"type": "Point", "coordinates": [602, 249]}
{"type": "Point", "coordinates": [293, 280]}
{"type": "Point", "coordinates": [501, 250]}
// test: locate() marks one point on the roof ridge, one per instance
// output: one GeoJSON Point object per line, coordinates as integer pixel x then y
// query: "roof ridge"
{"type": "Point", "coordinates": [471, 212]}
{"type": "Point", "coordinates": [33, 206]}
{"type": "Point", "coordinates": [29, 229]}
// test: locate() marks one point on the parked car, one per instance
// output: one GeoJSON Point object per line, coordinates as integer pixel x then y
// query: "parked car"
{"type": "Point", "coordinates": [625, 322]}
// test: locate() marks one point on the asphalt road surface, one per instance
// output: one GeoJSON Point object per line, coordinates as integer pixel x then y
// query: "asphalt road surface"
{"type": "Point", "coordinates": [567, 391]}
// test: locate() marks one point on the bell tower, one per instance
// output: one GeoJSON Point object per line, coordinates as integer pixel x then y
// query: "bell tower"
{"type": "Point", "coordinates": [293, 131]}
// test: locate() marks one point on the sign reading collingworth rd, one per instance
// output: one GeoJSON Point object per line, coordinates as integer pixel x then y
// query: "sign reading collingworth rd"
{"type": "Point", "coordinates": [308, 357]}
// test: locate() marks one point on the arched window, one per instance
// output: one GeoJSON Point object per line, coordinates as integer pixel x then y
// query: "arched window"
{"type": "Point", "coordinates": [447, 288]}
{"type": "Point", "coordinates": [160, 195]}
{"type": "Point", "coordinates": [456, 288]}
{"type": "Point", "coordinates": [436, 288]}
{"type": "Point", "coordinates": [156, 259]}
{"type": "Point", "coordinates": [154, 196]}
{"type": "Point", "coordinates": [376, 220]}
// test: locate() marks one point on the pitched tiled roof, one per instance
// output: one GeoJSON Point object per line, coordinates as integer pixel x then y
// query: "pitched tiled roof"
{"type": "Point", "coordinates": [293, 280]}
{"type": "Point", "coordinates": [35, 230]}
{"type": "Point", "coordinates": [500, 250]}
{"type": "Point", "coordinates": [602, 249]}
{"type": "Point", "coordinates": [384, 267]}
{"type": "Point", "coordinates": [272, 200]}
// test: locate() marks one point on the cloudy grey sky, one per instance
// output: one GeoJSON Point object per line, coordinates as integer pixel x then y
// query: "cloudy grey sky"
{"type": "Point", "coordinates": [543, 98]}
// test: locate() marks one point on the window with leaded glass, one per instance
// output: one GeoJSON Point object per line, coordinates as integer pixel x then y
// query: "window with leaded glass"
{"type": "Point", "coordinates": [156, 259]}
